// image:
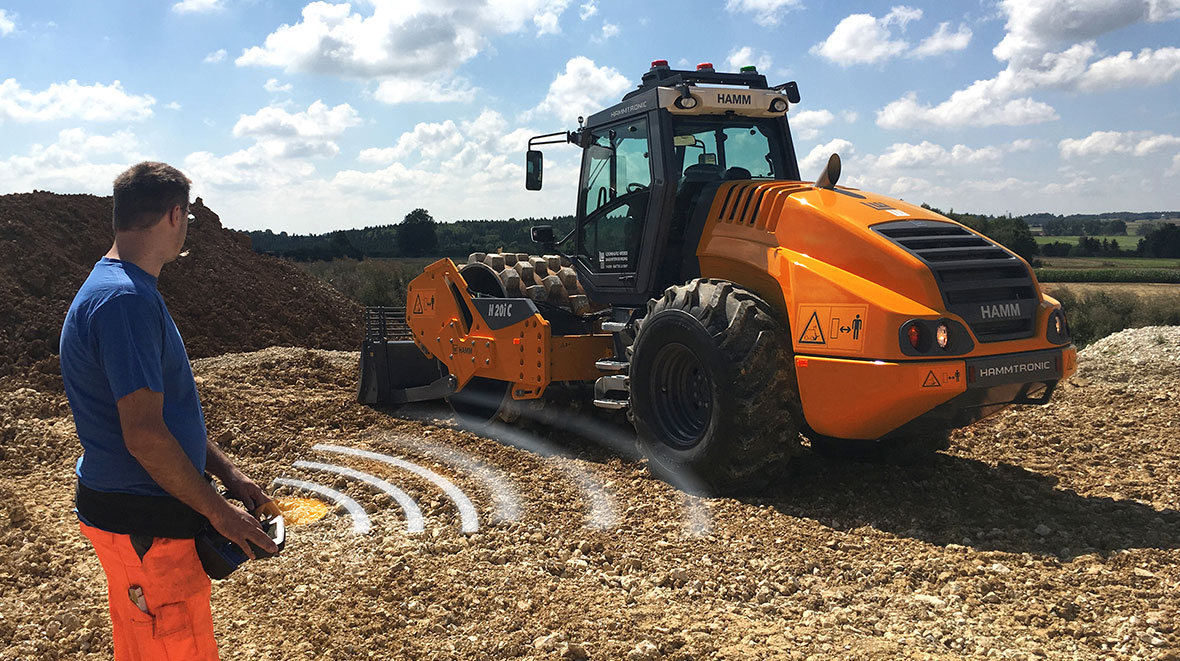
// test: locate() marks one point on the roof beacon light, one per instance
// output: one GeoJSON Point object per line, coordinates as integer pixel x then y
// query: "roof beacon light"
{"type": "Point", "coordinates": [749, 68]}
{"type": "Point", "coordinates": [705, 66]}
{"type": "Point", "coordinates": [661, 64]}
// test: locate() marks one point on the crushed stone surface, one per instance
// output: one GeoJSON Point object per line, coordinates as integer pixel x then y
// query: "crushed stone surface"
{"type": "Point", "coordinates": [1044, 532]}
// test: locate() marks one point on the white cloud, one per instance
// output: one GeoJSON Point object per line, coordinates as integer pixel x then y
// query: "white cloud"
{"type": "Point", "coordinates": [608, 30]}
{"type": "Point", "coordinates": [766, 12]}
{"type": "Point", "coordinates": [480, 156]}
{"type": "Point", "coordinates": [818, 157]}
{"type": "Point", "coordinates": [1101, 143]}
{"type": "Point", "coordinates": [7, 24]}
{"type": "Point", "coordinates": [740, 57]}
{"type": "Point", "coordinates": [197, 6]}
{"type": "Point", "coordinates": [849, 116]}
{"type": "Point", "coordinates": [970, 107]}
{"type": "Point", "coordinates": [404, 40]}
{"type": "Point", "coordinates": [943, 41]}
{"type": "Point", "coordinates": [581, 89]}
{"type": "Point", "coordinates": [418, 91]}
{"type": "Point", "coordinates": [1175, 169]}
{"type": "Point", "coordinates": [215, 57]}
{"type": "Point", "coordinates": [172, 105]}
{"type": "Point", "coordinates": [273, 86]}
{"type": "Point", "coordinates": [930, 155]}
{"type": "Point", "coordinates": [548, 19]}
{"type": "Point", "coordinates": [69, 100]}
{"type": "Point", "coordinates": [1035, 30]}
{"type": "Point", "coordinates": [588, 9]}
{"type": "Point", "coordinates": [1035, 27]}
{"type": "Point", "coordinates": [1124, 70]}
{"type": "Point", "coordinates": [865, 39]}
{"type": "Point", "coordinates": [806, 124]}
{"type": "Point", "coordinates": [298, 135]}
{"type": "Point", "coordinates": [79, 162]}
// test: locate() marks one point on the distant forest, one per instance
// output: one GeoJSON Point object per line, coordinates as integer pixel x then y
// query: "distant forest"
{"type": "Point", "coordinates": [419, 235]}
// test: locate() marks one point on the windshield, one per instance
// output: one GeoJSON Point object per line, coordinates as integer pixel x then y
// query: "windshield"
{"type": "Point", "coordinates": [735, 147]}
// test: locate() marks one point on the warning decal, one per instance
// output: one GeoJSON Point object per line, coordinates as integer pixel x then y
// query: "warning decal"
{"type": "Point", "coordinates": [838, 327]}
{"type": "Point", "coordinates": [812, 332]}
{"type": "Point", "coordinates": [423, 303]}
{"type": "Point", "coordinates": [931, 381]}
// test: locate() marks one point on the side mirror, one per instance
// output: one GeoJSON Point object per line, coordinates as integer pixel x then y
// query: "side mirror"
{"type": "Point", "coordinates": [542, 234]}
{"type": "Point", "coordinates": [792, 90]}
{"type": "Point", "coordinates": [534, 163]}
{"type": "Point", "coordinates": [831, 173]}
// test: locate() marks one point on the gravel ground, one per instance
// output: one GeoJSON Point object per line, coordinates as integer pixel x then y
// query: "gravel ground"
{"type": "Point", "coordinates": [1047, 532]}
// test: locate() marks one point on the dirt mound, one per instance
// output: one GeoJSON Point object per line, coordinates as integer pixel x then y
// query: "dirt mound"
{"type": "Point", "coordinates": [223, 296]}
{"type": "Point", "coordinates": [1044, 532]}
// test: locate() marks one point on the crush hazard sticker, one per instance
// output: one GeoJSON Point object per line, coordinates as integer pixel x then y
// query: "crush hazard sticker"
{"type": "Point", "coordinates": [837, 327]}
{"type": "Point", "coordinates": [423, 303]}
{"type": "Point", "coordinates": [941, 378]}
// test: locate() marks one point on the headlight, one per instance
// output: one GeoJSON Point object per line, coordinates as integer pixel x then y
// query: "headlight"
{"type": "Point", "coordinates": [942, 335]}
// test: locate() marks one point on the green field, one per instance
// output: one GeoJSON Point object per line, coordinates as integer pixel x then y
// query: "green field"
{"type": "Point", "coordinates": [1108, 263]}
{"type": "Point", "coordinates": [1125, 242]}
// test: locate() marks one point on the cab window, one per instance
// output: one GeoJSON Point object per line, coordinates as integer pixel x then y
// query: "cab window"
{"type": "Point", "coordinates": [616, 181]}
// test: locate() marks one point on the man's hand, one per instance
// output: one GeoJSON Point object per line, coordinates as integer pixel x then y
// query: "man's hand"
{"type": "Point", "coordinates": [240, 527]}
{"type": "Point", "coordinates": [244, 489]}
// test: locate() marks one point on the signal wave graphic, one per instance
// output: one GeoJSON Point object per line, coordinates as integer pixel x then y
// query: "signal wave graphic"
{"type": "Point", "coordinates": [360, 520]}
{"type": "Point", "coordinates": [468, 518]}
{"type": "Point", "coordinates": [409, 507]}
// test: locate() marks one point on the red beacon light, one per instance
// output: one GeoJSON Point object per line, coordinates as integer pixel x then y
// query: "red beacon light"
{"type": "Point", "coordinates": [659, 64]}
{"type": "Point", "coordinates": [705, 66]}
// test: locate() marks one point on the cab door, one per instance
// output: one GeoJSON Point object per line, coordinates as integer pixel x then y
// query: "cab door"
{"type": "Point", "coordinates": [615, 204]}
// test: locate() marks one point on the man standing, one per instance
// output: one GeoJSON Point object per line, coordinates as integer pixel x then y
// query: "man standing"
{"type": "Point", "coordinates": [141, 495]}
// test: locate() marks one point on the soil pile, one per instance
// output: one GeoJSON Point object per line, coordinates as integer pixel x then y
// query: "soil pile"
{"type": "Point", "coordinates": [1044, 532]}
{"type": "Point", "coordinates": [223, 296]}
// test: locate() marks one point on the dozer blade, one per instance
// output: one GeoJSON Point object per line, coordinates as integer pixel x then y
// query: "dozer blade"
{"type": "Point", "coordinates": [393, 369]}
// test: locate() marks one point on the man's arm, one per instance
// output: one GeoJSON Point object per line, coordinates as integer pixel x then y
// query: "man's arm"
{"type": "Point", "coordinates": [141, 416]}
{"type": "Point", "coordinates": [235, 481]}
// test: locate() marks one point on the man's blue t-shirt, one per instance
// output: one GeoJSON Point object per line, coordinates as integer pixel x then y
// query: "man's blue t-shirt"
{"type": "Point", "coordinates": [118, 338]}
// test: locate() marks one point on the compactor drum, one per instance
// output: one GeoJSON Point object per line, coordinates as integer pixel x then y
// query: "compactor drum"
{"type": "Point", "coordinates": [727, 306]}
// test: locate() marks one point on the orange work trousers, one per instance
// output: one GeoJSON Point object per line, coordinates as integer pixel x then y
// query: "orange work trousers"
{"type": "Point", "coordinates": [159, 605]}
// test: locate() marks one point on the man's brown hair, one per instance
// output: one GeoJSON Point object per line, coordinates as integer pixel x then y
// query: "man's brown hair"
{"type": "Point", "coordinates": [145, 192]}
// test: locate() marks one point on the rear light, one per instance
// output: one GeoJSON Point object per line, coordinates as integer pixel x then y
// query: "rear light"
{"type": "Point", "coordinates": [942, 335]}
{"type": "Point", "coordinates": [1058, 331]}
{"type": "Point", "coordinates": [914, 334]}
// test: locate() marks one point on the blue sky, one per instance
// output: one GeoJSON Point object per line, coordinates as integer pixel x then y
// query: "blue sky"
{"type": "Point", "coordinates": [307, 117]}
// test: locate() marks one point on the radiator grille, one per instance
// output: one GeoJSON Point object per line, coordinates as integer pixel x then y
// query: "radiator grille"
{"type": "Point", "coordinates": [980, 281]}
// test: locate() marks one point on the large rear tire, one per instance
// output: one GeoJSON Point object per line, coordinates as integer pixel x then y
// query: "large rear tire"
{"type": "Point", "coordinates": [714, 398]}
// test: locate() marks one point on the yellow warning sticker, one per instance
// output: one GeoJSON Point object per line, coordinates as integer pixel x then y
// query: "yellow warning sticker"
{"type": "Point", "coordinates": [422, 303]}
{"type": "Point", "coordinates": [837, 327]}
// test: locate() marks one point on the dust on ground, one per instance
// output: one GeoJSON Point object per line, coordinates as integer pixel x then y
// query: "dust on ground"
{"type": "Point", "coordinates": [1043, 533]}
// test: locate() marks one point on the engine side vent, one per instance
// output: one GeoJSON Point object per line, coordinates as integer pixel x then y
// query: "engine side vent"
{"type": "Point", "coordinates": [980, 281]}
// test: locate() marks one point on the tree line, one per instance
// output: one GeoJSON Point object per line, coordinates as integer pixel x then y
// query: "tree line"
{"type": "Point", "coordinates": [419, 235]}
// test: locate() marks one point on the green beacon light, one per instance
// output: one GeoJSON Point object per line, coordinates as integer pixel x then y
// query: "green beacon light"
{"type": "Point", "coordinates": [749, 68]}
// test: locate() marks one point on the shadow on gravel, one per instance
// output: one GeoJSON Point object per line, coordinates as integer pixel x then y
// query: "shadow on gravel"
{"type": "Point", "coordinates": [953, 500]}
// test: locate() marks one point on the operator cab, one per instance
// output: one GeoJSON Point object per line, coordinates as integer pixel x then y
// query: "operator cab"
{"type": "Point", "coordinates": [654, 162]}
